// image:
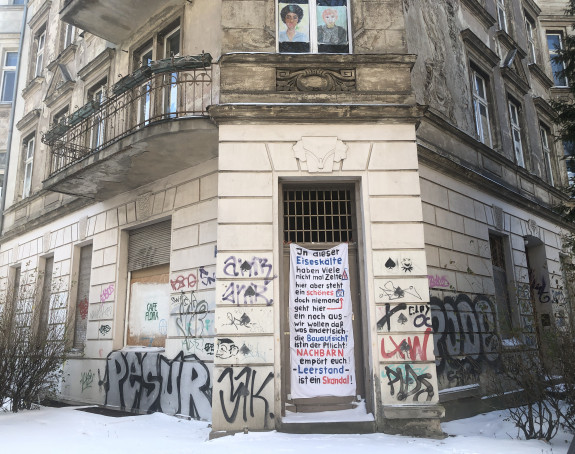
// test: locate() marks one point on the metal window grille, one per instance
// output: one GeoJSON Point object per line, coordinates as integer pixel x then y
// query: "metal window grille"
{"type": "Point", "coordinates": [318, 215]}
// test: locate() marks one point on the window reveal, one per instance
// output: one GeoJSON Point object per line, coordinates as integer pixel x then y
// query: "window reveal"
{"type": "Point", "coordinates": [555, 45]}
{"type": "Point", "coordinates": [481, 109]}
{"type": "Point", "coordinates": [516, 133]}
{"type": "Point", "coordinates": [9, 77]}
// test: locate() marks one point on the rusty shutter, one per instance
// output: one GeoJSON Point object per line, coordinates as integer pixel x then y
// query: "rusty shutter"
{"type": "Point", "coordinates": [149, 246]}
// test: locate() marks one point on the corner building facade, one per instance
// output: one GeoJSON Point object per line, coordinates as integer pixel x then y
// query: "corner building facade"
{"type": "Point", "coordinates": [158, 215]}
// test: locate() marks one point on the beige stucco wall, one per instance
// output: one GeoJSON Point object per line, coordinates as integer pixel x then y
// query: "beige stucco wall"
{"type": "Point", "coordinates": [254, 160]}
{"type": "Point", "coordinates": [189, 200]}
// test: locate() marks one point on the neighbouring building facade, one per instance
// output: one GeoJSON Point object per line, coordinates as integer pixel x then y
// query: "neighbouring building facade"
{"type": "Point", "coordinates": [11, 15]}
{"type": "Point", "coordinates": [249, 209]}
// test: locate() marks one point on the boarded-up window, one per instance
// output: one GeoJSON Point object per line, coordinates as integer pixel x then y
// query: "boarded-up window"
{"type": "Point", "coordinates": [82, 297]}
{"type": "Point", "coordinates": [148, 262]}
{"type": "Point", "coordinates": [504, 310]}
{"type": "Point", "coordinates": [46, 291]}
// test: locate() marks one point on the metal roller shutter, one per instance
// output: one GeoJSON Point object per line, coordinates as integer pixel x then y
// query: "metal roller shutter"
{"type": "Point", "coordinates": [149, 246]}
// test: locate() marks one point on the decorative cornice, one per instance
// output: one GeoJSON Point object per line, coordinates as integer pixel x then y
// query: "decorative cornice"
{"type": "Point", "coordinates": [512, 78]}
{"type": "Point", "coordinates": [4, 8]}
{"type": "Point", "coordinates": [479, 49]}
{"type": "Point", "coordinates": [43, 218]}
{"type": "Point", "coordinates": [505, 38]}
{"type": "Point", "coordinates": [60, 84]}
{"type": "Point", "coordinates": [316, 60]}
{"type": "Point", "coordinates": [28, 119]}
{"type": "Point", "coordinates": [32, 86]}
{"type": "Point", "coordinates": [63, 56]}
{"type": "Point", "coordinates": [545, 108]}
{"type": "Point", "coordinates": [483, 179]}
{"type": "Point", "coordinates": [37, 18]}
{"type": "Point", "coordinates": [96, 64]}
{"type": "Point", "coordinates": [490, 184]}
{"type": "Point", "coordinates": [532, 8]}
{"type": "Point", "coordinates": [537, 72]}
{"type": "Point", "coordinates": [314, 113]}
{"type": "Point", "coordinates": [556, 19]}
{"type": "Point", "coordinates": [480, 13]}
{"type": "Point", "coordinates": [59, 92]}
{"type": "Point", "coordinates": [560, 92]}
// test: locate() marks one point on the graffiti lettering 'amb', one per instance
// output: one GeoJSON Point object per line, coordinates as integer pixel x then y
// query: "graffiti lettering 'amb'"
{"type": "Point", "coordinates": [246, 293]}
{"type": "Point", "coordinates": [254, 267]}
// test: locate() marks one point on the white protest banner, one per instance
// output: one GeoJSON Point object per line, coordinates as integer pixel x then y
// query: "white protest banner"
{"type": "Point", "coordinates": [321, 331]}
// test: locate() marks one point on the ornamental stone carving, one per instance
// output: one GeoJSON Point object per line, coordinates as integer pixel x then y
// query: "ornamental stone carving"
{"type": "Point", "coordinates": [320, 153]}
{"type": "Point", "coordinates": [315, 79]}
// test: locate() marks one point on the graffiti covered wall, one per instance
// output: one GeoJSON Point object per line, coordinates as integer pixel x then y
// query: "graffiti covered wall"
{"type": "Point", "coordinates": [465, 340]}
{"type": "Point", "coordinates": [147, 381]}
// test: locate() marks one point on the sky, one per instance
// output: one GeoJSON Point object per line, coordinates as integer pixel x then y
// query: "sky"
{"type": "Point", "coordinates": [69, 430]}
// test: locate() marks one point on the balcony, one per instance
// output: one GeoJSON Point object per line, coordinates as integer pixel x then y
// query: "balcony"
{"type": "Point", "coordinates": [112, 20]}
{"type": "Point", "coordinates": [153, 123]}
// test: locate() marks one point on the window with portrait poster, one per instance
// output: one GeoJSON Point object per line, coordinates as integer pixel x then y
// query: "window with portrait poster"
{"type": "Point", "coordinates": [316, 26]}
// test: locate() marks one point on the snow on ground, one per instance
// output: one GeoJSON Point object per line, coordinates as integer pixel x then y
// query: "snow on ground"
{"type": "Point", "coordinates": [66, 430]}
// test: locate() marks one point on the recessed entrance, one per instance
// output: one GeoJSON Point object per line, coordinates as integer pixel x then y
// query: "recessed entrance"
{"type": "Point", "coordinates": [320, 217]}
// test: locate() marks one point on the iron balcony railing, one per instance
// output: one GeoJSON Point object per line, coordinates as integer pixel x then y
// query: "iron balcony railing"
{"type": "Point", "coordinates": [163, 91]}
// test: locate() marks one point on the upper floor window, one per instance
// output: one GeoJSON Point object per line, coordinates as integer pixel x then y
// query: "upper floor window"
{"type": "Point", "coordinates": [531, 45]}
{"type": "Point", "coordinates": [555, 45]}
{"type": "Point", "coordinates": [39, 42]}
{"type": "Point", "coordinates": [569, 152]}
{"type": "Point", "coordinates": [60, 116]}
{"type": "Point", "coordinates": [502, 16]}
{"type": "Point", "coordinates": [98, 94]}
{"type": "Point", "coordinates": [544, 132]}
{"type": "Point", "coordinates": [69, 35]}
{"type": "Point", "coordinates": [18, 2]}
{"type": "Point", "coordinates": [515, 125]}
{"type": "Point", "coordinates": [481, 109]}
{"type": "Point", "coordinates": [165, 44]}
{"type": "Point", "coordinates": [143, 58]}
{"type": "Point", "coordinates": [28, 150]}
{"type": "Point", "coordinates": [171, 43]}
{"type": "Point", "coordinates": [8, 76]}
{"type": "Point", "coordinates": [319, 26]}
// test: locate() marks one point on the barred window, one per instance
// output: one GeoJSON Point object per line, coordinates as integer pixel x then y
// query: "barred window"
{"type": "Point", "coordinates": [318, 215]}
